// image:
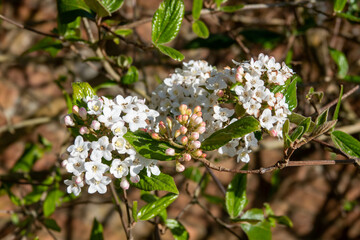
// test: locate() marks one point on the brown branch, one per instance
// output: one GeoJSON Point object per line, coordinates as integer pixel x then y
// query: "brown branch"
{"type": "Point", "coordinates": [344, 96]}
{"type": "Point", "coordinates": [25, 123]}
{"type": "Point", "coordinates": [118, 207]}
{"type": "Point", "coordinates": [19, 25]}
{"type": "Point", "coordinates": [216, 180]}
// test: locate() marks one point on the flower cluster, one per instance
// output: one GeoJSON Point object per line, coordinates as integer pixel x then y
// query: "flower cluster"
{"type": "Point", "coordinates": [190, 127]}
{"type": "Point", "coordinates": [246, 89]}
{"type": "Point", "coordinates": [105, 122]}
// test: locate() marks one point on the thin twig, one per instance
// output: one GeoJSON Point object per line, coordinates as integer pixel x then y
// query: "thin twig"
{"type": "Point", "coordinates": [25, 123]}
{"type": "Point", "coordinates": [131, 237]}
{"type": "Point", "coordinates": [216, 180]}
{"type": "Point", "coordinates": [344, 96]}
{"type": "Point", "coordinates": [118, 207]}
{"type": "Point", "coordinates": [19, 25]}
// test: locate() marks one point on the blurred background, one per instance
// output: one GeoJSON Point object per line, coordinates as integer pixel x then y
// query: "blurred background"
{"type": "Point", "coordinates": [322, 201]}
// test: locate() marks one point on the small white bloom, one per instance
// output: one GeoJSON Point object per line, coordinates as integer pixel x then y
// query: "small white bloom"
{"type": "Point", "coordinates": [215, 83]}
{"type": "Point", "coordinates": [229, 148]}
{"type": "Point", "coordinates": [101, 148]}
{"type": "Point", "coordinates": [80, 148]}
{"type": "Point", "coordinates": [73, 186]}
{"type": "Point", "coordinates": [135, 120]}
{"type": "Point", "coordinates": [222, 114]}
{"type": "Point", "coordinates": [250, 140]}
{"type": "Point", "coordinates": [120, 168]}
{"type": "Point", "coordinates": [95, 170]}
{"type": "Point", "coordinates": [98, 185]}
{"type": "Point", "coordinates": [124, 103]}
{"type": "Point", "coordinates": [95, 105]}
{"type": "Point", "coordinates": [110, 115]}
{"type": "Point", "coordinates": [118, 128]}
{"type": "Point", "coordinates": [151, 167]}
{"type": "Point", "coordinates": [243, 155]}
{"type": "Point", "coordinates": [252, 107]}
{"type": "Point", "coordinates": [119, 144]}
{"type": "Point", "coordinates": [75, 165]}
{"type": "Point", "coordinates": [266, 119]}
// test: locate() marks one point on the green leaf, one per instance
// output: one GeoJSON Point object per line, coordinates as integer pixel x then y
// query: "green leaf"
{"type": "Point", "coordinates": [253, 215]}
{"type": "Point", "coordinates": [213, 199]}
{"type": "Point", "coordinates": [341, 62]}
{"type": "Point", "coordinates": [337, 109]}
{"type": "Point", "coordinates": [237, 129]}
{"type": "Point", "coordinates": [98, 7]}
{"type": "Point", "coordinates": [339, 5]}
{"type": "Point", "coordinates": [219, 2]}
{"type": "Point", "coordinates": [354, 79]}
{"type": "Point", "coordinates": [134, 210]}
{"type": "Point", "coordinates": [306, 123]}
{"type": "Point", "coordinates": [112, 5]}
{"type": "Point", "coordinates": [177, 229]}
{"type": "Point", "coordinates": [346, 143]}
{"type": "Point", "coordinates": [284, 220]}
{"type": "Point", "coordinates": [200, 29]}
{"type": "Point", "coordinates": [81, 90]}
{"type": "Point", "coordinates": [51, 224]}
{"type": "Point", "coordinates": [231, 9]}
{"type": "Point", "coordinates": [96, 231]}
{"type": "Point", "coordinates": [193, 173]}
{"type": "Point", "coordinates": [124, 32]}
{"type": "Point", "coordinates": [32, 153]}
{"type": "Point", "coordinates": [47, 44]}
{"type": "Point", "coordinates": [148, 147]}
{"type": "Point", "coordinates": [107, 84]}
{"type": "Point", "coordinates": [290, 95]}
{"type": "Point", "coordinates": [51, 201]}
{"type": "Point", "coordinates": [261, 230]}
{"type": "Point", "coordinates": [69, 10]}
{"type": "Point", "coordinates": [196, 9]}
{"type": "Point", "coordinates": [235, 198]}
{"type": "Point", "coordinates": [349, 17]}
{"type": "Point", "coordinates": [162, 182]}
{"type": "Point", "coordinates": [150, 210]}
{"type": "Point", "coordinates": [167, 20]}
{"type": "Point", "coordinates": [322, 118]}
{"type": "Point", "coordinates": [171, 52]}
{"type": "Point", "coordinates": [297, 133]}
{"type": "Point", "coordinates": [131, 76]}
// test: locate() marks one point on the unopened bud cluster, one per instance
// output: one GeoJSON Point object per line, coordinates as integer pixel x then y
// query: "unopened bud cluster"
{"type": "Point", "coordinates": [189, 127]}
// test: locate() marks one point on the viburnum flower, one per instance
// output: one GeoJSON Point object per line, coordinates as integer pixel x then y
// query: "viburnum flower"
{"type": "Point", "coordinates": [215, 83]}
{"type": "Point", "coordinates": [243, 155]}
{"type": "Point", "coordinates": [80, 148]}
{"type": "Point", "coordinates": [98, 185]}
{"type": "Point", "coordinates": [151, 167]}
{"type": "Point", "coordinates": [110, 115]}
{"type": "Point", "coordinates": [118, 128]}
{"type": "Point", "coordinates": [75, 165]}
{"type": "Point", "coordinates": [250, 140]}
{"type": "Point", "coordinates": [120, 168]}
{"type": "Point", "coordinates": [95, 170]}
{"type": "Point", "coordinates": [135, 120]}
{"type": "Point", "coordinates": [119, 144]}
{"type": "Point", "coordinates": [101, 149]}
{"type": "Point", "coordinates": [222, 114]}
{"type": "Point", "coordinates": [266, 119]}
{"type": "Point", "coordinates": [124, 103]}
{"type": "Point", "coordinates": [73, 186]}
{"type": "Point", "coordinates": [229, 148]}
{"type": "Point", "coordinates": [95, 105]}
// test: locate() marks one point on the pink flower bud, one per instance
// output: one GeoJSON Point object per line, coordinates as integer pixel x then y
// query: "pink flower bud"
{"type": "Point", "coordinates": [78, 179]}
{"type": "Point", "coordinates": [95, 125]}
{"type": "Point", "coordinates": [198, 121]}
{"type": "Point", "coordinates": [195, 144]}
{"type": "Point", "coordinates": [75, 109]}
{"type": "Point", "coordinates": [197, 153]}
{"type": "Point", "coordinates": [201, 130]}
{"type": "Point", "coordinates": [69, 122]}
{"type": "Point", "coordinates": [273, 133]}
{"type": "Point", "coordinates": [188, 112]}
{"type": "Point", "coordinates": [240, 70]}
{"type": "Point", "coordinates": [194, 136]}
{"type": "Point", "coordinates": [169, 122]}
{"type": "Point", "coordinates": [177, 133]}
{"type": "Point", "coordinates": [184, 140]}
{"type": "Point", "coordinates": [185, 119]}
{"type": "Point", "coordinates": [199, 114]}
{"type": "Point", "coordinates": [238, 77]}
{"type": "Point", "coordinates": [170, 152]}
{"type": "Point", "coordinates": [179, 167]}
{"type": "Point", "coordinates": [183, 130]}
{"type": "Point", "coordinates": [186, 157]}
{"type": "Point", "coordinates": [84, 130]}
{"type": "Point", "coordinates": [162, 128]}
{"type": "Point", "coordinates": [124, 184]}
{"type": "Point", "coordinates": [183, 109]}
{"type": "Point", "coordinates": [220, 93]}
{"type": "Point", "coordinates": [197, 109]}
{"type": "Point", "coordinates": [135, 179]}
{"type": "Point", "coordinates": [155, 136]}
{"type": "Point", "coordinates": [279, 95]}
{"type": "Point", "coordinates": [64, 163]}
{"type": "Point", "coordinates": [83, 113]}
{"type": "Point", "coordinates": [203, 155]}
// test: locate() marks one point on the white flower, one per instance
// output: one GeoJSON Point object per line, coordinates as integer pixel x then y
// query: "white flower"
{"type": "Point", "coordinates": [229, 148]}
{"type": "Point", "coordinates": [73, 186]}
{"type": "Point", "coordinates": [151, 167]}
{"type": "Point", "coordinates": [124, 103]}
{"type": "Point", "coordinates": [119, 144]}
{"type": "Point", "coordinates": [101, 148]}
{"type": "Point", "coordinates": [75, 165]}
{"type": "Point", "coordinates": [175, 92]}
{"type": "Point", "coordinates": [135, 120]}
{"type": "Point", "coordinates": [118, 128]}
{"type": "Point", "coordinates": [80, 148]}
{"type": "Point", "coordinates": [243, 155]}
{"type": "Point", "coordinates": [222, 114]}
{"type": "Point", "coordinates": [136, 166]}
{"type": "Point", "coordinates": [120, 168]}
{"type": "Point", "coordinates": [250, 140]}
{"type": "Point", "coordinates": [215, 83]}
{"type": "Point", "coordinates": [260, 93]}
{"type": "Point", "coordinates": [95, 105]}
{"type": "Point", "coordinates": [110, 115]}
{"type": "Point", "coordinates": [98, 185]}
{"type": "Point", "coordinates": [244, 93]}
{"type": "Point", "coordinates": [266, 119]}
{"type": "Point", "coordinates": [253, 81]}
{"type": "Point", "coordinates": [95, 170]}
{"type": "Point", "coordinates": [252, 107]}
